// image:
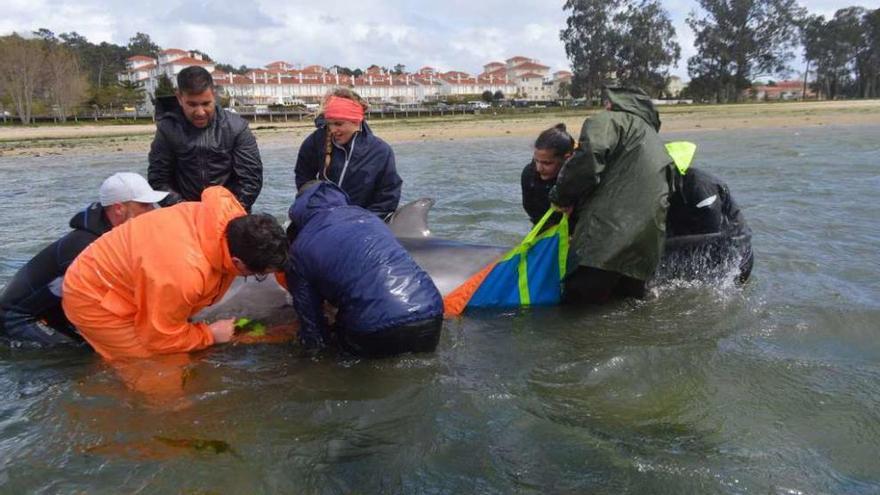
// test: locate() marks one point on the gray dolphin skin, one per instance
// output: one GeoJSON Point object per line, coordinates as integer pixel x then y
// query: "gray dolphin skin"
{"type": "Point", "coordinates": [449, 263]}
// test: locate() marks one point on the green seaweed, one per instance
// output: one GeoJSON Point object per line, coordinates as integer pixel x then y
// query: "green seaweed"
{"type": "Point", "coordinates": [198, 445]}
{"type": "Point", "coordinates": [251, 328]}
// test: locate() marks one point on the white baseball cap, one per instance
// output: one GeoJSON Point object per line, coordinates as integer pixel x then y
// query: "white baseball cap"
{"type": "Point", "coordinates": [128, 186]}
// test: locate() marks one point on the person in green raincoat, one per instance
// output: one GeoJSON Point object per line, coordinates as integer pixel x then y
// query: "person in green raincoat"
{"type": "Point", "coordinates": [618, 183]}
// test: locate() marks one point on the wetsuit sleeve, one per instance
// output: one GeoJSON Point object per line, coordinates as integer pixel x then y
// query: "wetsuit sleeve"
{"type": "Point", "coordinates": [307, 161]}
{"type": "Point", "coordinates": [705, 196]}
{"type": "Point", "coordinates": [580, 173]}
{"type": "Point", "coordinates": [71, 245]}
{"type": "Point", "coordinates": [309, 306]}
{"type": "Point", "coordinates": [163, 323]}
{"type": "Point", "coordinates": [529, 202]}
{"type": "Point", "coordinates": [29, 290]}
{"type": "Point", "coordinates": [733, 217]}
{"type": "Point", "coordinates": [162, 162]}
{"type": "Point", "coordinates": [386, 196]}
{"type": "Point", "coordinates": [247, 167]}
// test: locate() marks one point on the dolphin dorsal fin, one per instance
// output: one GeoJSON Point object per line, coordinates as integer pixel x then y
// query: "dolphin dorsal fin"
{"type": "Point", "coordinates": [411, 219]}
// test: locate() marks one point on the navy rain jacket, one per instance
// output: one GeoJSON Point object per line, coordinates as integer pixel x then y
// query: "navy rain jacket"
{"type": "Point", "coordinates": [345, 255]}
{"type": "Point", "coordinates": [370, 180]}
{"type": "Point", "coordinates": [35, 290]}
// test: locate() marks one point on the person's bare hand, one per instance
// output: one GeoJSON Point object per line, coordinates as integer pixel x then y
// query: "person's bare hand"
{"type": "Point", "coordinates": [564, 209]}
{"type": "Point", "coordinates": [222, 330]}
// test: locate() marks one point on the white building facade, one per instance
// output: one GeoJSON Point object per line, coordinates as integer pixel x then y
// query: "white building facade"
{"type": "Point", "coordinates": [283, 83]}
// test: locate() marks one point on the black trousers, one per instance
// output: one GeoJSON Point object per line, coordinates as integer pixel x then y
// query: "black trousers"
{"type": "Point", "coordinates": [419, 336]}
{"type": "Point", "coordinates": [588, 285]}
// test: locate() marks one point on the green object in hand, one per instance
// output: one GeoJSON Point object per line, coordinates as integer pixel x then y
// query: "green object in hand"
{"type": "Point", "coordinates": [249, 327]}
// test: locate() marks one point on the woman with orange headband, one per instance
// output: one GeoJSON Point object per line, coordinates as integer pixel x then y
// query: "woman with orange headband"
{"type": "Point", "coordinates": [346, 152]}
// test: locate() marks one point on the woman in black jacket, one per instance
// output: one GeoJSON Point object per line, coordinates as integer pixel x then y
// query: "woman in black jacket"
{"type": "Point", "coordinates": [552, 148]}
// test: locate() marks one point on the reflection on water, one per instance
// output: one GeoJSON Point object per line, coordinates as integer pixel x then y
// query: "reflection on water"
{"type": "Point", "coordinates": [699, 389]}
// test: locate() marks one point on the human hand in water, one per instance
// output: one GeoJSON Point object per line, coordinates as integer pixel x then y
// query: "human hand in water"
{"type": "Point", "coordinates": [222, 330]}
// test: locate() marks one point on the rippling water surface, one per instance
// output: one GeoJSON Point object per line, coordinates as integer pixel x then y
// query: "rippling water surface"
{"type": "Point", "coordinates": [774, 388]}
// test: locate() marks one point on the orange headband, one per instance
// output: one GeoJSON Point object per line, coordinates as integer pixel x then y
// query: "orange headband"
{"type": "Point", "coordinates": [343, 109]}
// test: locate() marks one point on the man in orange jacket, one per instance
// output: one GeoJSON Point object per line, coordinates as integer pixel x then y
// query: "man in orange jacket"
{"type": "Point", "coordinates": [132, 292]}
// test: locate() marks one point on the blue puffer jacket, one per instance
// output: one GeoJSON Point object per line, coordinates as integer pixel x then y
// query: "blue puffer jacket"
{"type": "Point", "coordinates": [345, 255]}
{"type": "Point", "coordinates": [370, 180]}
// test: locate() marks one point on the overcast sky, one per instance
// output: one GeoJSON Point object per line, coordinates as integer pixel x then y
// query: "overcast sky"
{"type": "Point", "coordinates": [445, 34]}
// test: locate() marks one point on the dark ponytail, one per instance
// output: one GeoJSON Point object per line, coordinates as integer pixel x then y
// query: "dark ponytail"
{"type": "Point", "coordinates": [557, 139]}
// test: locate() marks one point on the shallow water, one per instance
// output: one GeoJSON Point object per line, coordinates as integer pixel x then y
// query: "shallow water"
{"type": "Point", "coordinates": [773, 388]}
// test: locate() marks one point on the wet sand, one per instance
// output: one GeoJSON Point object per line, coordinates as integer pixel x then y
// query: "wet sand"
{"type": "Point", "coordinates": [89, 138]}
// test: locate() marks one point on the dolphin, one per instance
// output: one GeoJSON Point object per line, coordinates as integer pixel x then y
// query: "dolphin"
{"type": "Point", "coordinates": [449, 264]}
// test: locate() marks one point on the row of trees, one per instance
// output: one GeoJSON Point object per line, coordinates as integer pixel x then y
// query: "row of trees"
{"type": "Point", "coordinates": [845, 51]}
{"type": "Point", "coordinates": [737, 42]}
{"type": "Point", "coordinates": [58, 75]}
{"type": "Point", "coordinates": [38, 72]}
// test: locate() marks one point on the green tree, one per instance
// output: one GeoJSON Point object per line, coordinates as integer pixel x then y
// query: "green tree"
{"type": "Point", "coordinates": [46, 35]}
{"type": "Point", "coordinates": [398, 69]}
{"type": "Point", "coordinates": [590, 38]}
{"type": "Point", "coordinates": [142, 44]}
{"type": "Point", "coordinates": [101, 62]}
{"type": "Point", "coordinates": [487, 96]}
{"type": "Point", "coordinates": [739, 40]}
{"type": "Point", "coordinates": [647, 47]}
{"type": "Point", "coordinates": [230, 69]}
{"type": "Point", "coordinates": [164, 87]}
{"type": "Point", "coordinates": [835, 47]}
{"type": "Point", "coordinates": [869, 56]}
{"type": "Point", "coordinates": [564, 90]}
{"type": "Point", "coordinates": [131, 94]}
{"type": "Point", "coordinates": [498, 95]}
{"type": "Point", "coordinates": [205, 56]}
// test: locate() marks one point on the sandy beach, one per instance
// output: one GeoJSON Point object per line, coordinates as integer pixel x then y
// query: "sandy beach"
{"type": "Point", "coordinates": [86, 138]}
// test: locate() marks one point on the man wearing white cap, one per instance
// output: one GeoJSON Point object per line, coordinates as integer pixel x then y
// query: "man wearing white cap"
{"type": "Point", "coordinates": [30, 306]}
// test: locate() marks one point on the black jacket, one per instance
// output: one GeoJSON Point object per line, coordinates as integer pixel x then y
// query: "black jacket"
{"type": "Point", "coordinates": [535, 193]}
{"type": "Point", "coordinates": [185, 159]}
{"type": "Point", "coordinates": [370, 180]}
{"type": "Point", "coordinates": [702, 204]}
{"type": "Point", "coordinates": [34, 289]}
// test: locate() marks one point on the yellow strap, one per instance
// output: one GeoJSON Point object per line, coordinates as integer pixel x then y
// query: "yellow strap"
{"type": "Point", "coordinates": [682, 153]}
{"type": "Point", "coordinates": [524, 297]}
{"type": "Point", "coordinates": [563, 246]}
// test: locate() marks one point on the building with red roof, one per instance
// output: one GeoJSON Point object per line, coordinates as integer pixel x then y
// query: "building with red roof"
{"type": "Point", "coordinates": [779, 90]}
{"type": "Point", "coordinates": [282, 82]}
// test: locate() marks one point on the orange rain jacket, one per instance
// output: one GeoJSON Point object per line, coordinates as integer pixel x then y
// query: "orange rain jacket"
{"type": "Point", "coordinates": [131, 292]}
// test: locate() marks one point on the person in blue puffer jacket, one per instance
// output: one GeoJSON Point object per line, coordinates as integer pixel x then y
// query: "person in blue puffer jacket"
{"type": "Point", "coordinates": [346, 256]}
{"type": "Point", "coordinates": [345, 151]}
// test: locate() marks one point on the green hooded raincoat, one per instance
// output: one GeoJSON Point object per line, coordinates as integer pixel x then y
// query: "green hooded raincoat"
{"type": "Point", "coordinates": [618, 182]}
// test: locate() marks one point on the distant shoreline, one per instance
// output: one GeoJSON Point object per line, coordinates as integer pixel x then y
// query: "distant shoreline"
{"type": "Point", "coordinates": [100, 139]}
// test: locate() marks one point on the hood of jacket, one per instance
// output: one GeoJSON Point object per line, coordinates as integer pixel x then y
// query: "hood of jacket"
{"type": "Point", "coordinates": [217, 208]}
{"type": "Point", "coordinates": [314, 199]}
{"type": "Point", "coordinates": [92, 220]}
{"type": "Point", "coordinates": [635, 102]}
